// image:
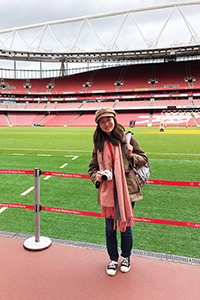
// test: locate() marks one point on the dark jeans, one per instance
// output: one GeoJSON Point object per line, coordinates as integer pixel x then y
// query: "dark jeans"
{"type": "Point", "coordinates": [111, 240]}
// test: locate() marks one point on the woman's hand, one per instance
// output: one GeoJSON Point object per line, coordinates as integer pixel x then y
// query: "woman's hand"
{"type": "Point", "coordinates": [130, 150]}
{"type": "Point", "coordinates": [99, 176]}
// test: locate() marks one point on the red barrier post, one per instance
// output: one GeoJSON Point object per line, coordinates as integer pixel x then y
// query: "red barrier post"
{"type": "Point", "coordinates": [38, 242]}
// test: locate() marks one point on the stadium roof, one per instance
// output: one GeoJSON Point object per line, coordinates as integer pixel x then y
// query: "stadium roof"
{"type": "Point", "coordinates": [170, 53]}
{"type": "Point", "coordinates": [25, 43]}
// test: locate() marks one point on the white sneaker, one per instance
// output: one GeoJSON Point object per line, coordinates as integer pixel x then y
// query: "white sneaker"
{"type": "Point", "coordinates": [125, 264]}
{"type": "Point", "coordinates": [112, 268]}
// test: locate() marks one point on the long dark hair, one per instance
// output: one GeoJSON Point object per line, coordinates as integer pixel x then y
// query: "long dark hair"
{"type": "Point", "coordinates": [115, 137]}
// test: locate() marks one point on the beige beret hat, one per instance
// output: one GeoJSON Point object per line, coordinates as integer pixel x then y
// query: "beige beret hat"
{"type": "Point", "coordinates": [104, 112]}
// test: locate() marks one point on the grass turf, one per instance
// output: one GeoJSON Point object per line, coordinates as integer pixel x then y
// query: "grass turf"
{"type": "Point", "coordinates": [173, 154]}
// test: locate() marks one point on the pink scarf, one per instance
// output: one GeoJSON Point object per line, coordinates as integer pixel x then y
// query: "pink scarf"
{"type": "Point", "coordinates": [114, 195]}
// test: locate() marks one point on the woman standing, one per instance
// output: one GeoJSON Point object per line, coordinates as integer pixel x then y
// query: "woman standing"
{"type": "Point", "coordinates": [110, 171]}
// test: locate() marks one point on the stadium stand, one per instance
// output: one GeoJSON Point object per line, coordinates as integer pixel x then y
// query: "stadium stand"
{"type": "Point", "coordinates": [196, 102]}
{"type": "Point", "coordinates": [68, 105]}
{"type": "Point", "coordinates": [146, 88]}
{"type": "Point", "coordinates": [156, 119]}
{"type": "Point", "coordinates": [105, 80]}
{"type": "Point", "coordinates": [38, 86]}
{"type": "Point", "coordinates": [33, 105]}
{"type": "Point", "coordinates": [136, 77]}
{"type": "Point", "coordinates": [10, 86]}
{"type": "Point", "coordinates": [134, 103]}
{"type": "Point", "coordinates": [3, 120]}
{"type": "Point", "coordinates": [171, 102]}
{"type": "Point", "coordinates": [171, 75]}
{"type": "Point", "coordinates": [84, 120]}
{"type": "Point", "coordinates": [24, 119]}
{"type": "Point", "coordinates": [98, 105]}
{"type": "Point", "coordinates": [2, 106]}
{"type": "Point", "coordinates": [16, 105]}
{"type": "Point", "coordinates": [194, 67]}
{"type": "Point", "coordinates": [174, 119]}
{"type": "Point", "coordinates": [52, 105]}
{"type": "Point", "coordinates": [58, 119]}
{"type": "Point", "coordinates": [141, 119]}
{"type": "Point", "coordinates": [71, 84]}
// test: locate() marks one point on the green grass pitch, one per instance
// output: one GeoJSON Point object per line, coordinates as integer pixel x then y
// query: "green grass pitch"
{"type": "Point", "coordinates": [173, 154]}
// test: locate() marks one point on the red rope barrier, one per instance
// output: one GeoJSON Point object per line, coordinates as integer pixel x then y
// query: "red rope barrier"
{"type": "Point", "coordinates": [177, 183]}
{"type": "Point", "coordinates": [136, 219]}
{"type": "Point", "coordinates": [162, 182]}
{"type": "Point", "coordinates": [94, 214]}
{"type": "Point", "coordinates": [12, 205]}
{"type": "Point", "coordinates": [167, 222]}
{"type": "Point", "coordinates": [70, 211]}
{"type": "Point", "coordinates": [66, 175]}
{"type": "Point", "coordinates": [21, 172]}
{"type": "Point", "coordinates": [84, 176]}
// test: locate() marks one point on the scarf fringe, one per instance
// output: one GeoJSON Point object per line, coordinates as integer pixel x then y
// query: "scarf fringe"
{"type": "Point", "coordinates": [121, 226]}
{"type": "Point", "coordinates": [108, 212]}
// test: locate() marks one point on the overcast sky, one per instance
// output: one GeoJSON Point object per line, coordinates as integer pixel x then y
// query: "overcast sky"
{"type": "Point", "coordinates": [15, 13]}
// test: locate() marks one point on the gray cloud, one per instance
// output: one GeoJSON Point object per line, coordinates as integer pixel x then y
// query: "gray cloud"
{"type": "Point", "coordinates": [15, 13]}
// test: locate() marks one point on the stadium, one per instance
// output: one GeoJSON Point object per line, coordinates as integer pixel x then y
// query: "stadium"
{"type": "Point", "coordinates": [153, 86]}
{"type": "Point", "coordinates": [47, 123]}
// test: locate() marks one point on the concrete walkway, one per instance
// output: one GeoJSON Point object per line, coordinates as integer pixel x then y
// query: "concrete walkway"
{"type": "Point", "coordinates": [69, 272]}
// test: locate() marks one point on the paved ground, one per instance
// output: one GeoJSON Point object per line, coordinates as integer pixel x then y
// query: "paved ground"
{"type": "Point", "coordinates": [69, 272]}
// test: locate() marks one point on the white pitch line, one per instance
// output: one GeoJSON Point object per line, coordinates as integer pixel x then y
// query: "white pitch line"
{"type": "Point", "coordinates": [57, 150]}
{"type": "Point", "coordinates": [75, 157]}
{"type": "Point", "coordinates": [63, 166]}
{"type": "Point", "coordinates": [27, 191]}
{"type": "Point", "coordinates": [47, 177]}
{"type": "Point", "coordinates": [172, 153]}
{"type": "Point", "coordinates": [43, 154]}
{"type": "Point", "coordinates": [18, 154]}
{"type": "Point", "coordinates": [2, 209]}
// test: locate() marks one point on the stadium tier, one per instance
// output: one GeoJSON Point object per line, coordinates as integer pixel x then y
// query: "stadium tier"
{"type": "Point", "coordinates": [13, 86]}
{"type": "Point", "coordinates": [141, 119]}
{"type": "Point", "coordinates": [168, 118]}
{"type": "Point", "coordinates": [105, 80]}
{"type": "Point", "coordinates": [31, 105]}
{"type": "Point", "coordinates": [84, 120]}
{"type": "Point", "coordinates": [194, 73]}
{"type": "Point", "coordinates": [16, 106]}
{"type": "Point", "coordinates": [171, 102]}
{"type": "Point", "coordinates": [172, 119]}
{"type": "Point", "coordinates": [97, 105]}
{"type": "Point", "coordinates": [136, 77]}
{"type": "Point", "coordinates": [130, 104]}
{"type": "Point", "coordinates": [37, 86]}
{"type": "Point", "coordinates": [3, 120]}
{"type": "Point", "coordinates": [140, 92]}
{"type": "Point", "coordinates": [58, 119]}
{"type": "Point", "coordinates": [24, 119]}
{"type": "Point", "coordinates": [68, 105]}
{"type": "Point", "coordinates": [170, 75]}
{"type": "Point", "coordinates": [71, 84]}
{"type": "Point", "coordinates": [196, 102]}
{"type": "Point", "coordinates": [2, 105]}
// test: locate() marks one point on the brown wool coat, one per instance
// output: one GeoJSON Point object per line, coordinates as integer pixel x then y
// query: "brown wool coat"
{"type": "Point", "coordinates": [139, 160]}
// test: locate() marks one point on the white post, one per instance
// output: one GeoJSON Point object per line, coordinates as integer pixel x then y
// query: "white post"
{"type": "Point", "coordinates": [37, 204]}
{"type": "Point", "coordinates": [38, 242]}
